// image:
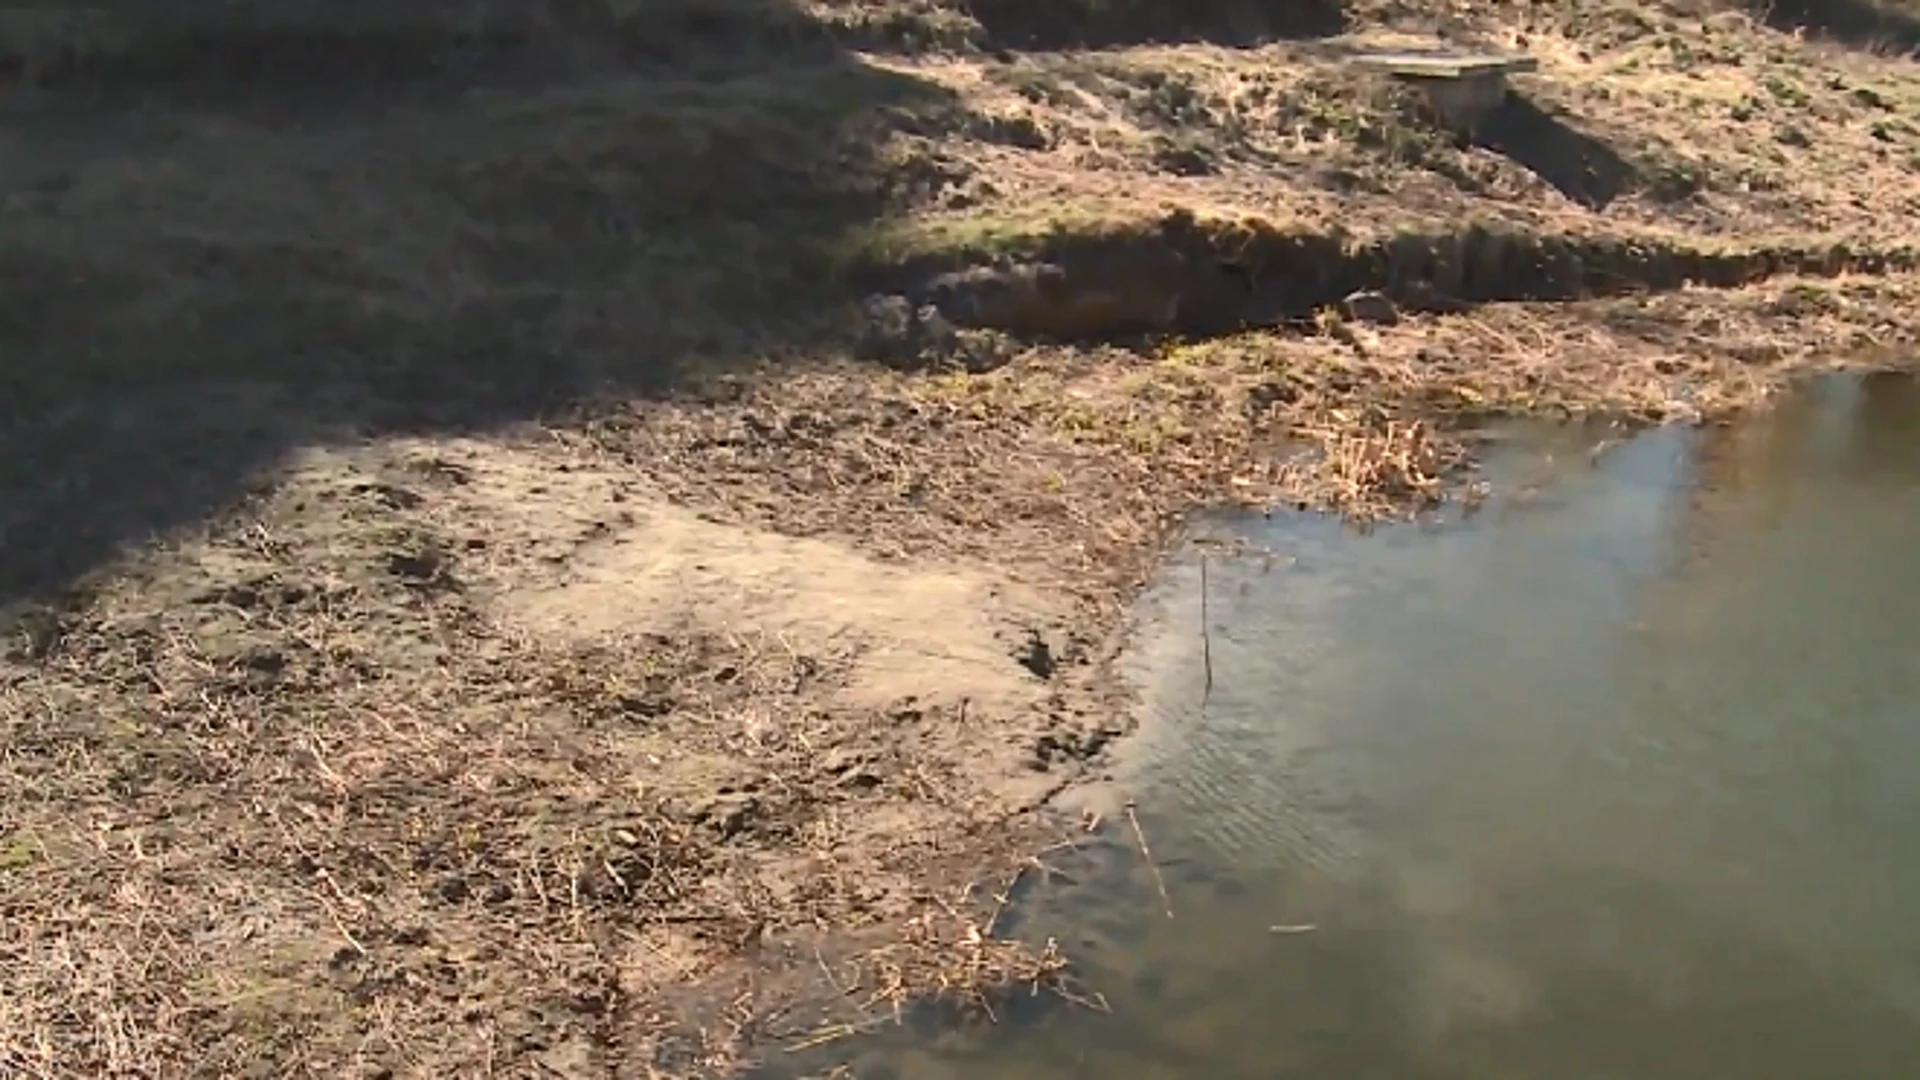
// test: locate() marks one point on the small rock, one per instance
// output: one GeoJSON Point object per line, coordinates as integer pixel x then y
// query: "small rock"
{"type": "Point", "coordinates": [887, 320]}
{"type": "Point", "coordinates": [894, 330]}
{"type": "Point", "coordinates": [860, 779]}
{"type": "Point", "coordinates": [1871, 98]}
{"type": "Point", "coordinates": [1037, 656]}
{"type": "Point", "coordinates": [850, 768]}
{"type": "Point", "coordinates": [265, 659]}
{"type": "Point", "coordinates": [416, 566]}
{"type": "Point", "coordinates": [840, 759]}
{"type": "Point", "coordinates": [414, 936]}
{"type": "Point", "coordinates": [728, 814]}
{"type": "Point", "coordinates": [645, 706]}
{"type": "Point", "coordinates": [933, 327]}
{"type": "Point", "coordinates": [1370, 307]}
{"type": "Point", "coordinates": [263, 665]}
{"type": "Point", "coordinates": [1265, 396]}
{"type": "Point", "coordinates": [391, 496]}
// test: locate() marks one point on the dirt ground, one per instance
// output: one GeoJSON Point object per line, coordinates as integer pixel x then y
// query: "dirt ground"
{"type": "Point", "coordinates": [584, 540]}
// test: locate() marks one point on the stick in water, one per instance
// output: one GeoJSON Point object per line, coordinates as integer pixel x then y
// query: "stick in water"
{"type": "Point", "coordinates": [1146, 853]}
{"type": "Point", "coordinates": [1206, 632]}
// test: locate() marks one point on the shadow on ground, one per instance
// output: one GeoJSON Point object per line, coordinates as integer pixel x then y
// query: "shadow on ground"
{"type": "Point", "coordinates": [1059, 24]}
{"type": "Point", "coordinates": [232, 234]}
{"type": "Point", "coordinates": [1578, 166]}
{"type": "Point", "coordinates": [1859, 24]}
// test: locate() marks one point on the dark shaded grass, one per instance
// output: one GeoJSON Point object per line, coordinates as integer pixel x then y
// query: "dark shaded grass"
{"type": "Point", "coordinates": [1873, 25]}
{"type": "Point", "coordinates": [231, 236]}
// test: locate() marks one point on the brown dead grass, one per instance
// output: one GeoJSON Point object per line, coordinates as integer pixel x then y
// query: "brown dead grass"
{"type": "Point", "coordinates": [310, 788]}
{"type": "Point", "coordinates": [467, 611]}
{"type": "Point", "coordinates": [1641, 123]}
{"type": "Point", "coordinates": [1372, 420]}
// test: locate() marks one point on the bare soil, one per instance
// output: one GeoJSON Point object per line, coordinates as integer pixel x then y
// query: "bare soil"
{"type": "Point", "coordinates": [585, 541]}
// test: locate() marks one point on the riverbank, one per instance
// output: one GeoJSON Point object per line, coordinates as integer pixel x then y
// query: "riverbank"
{"type": "Point", "coordinates": [528, 540]}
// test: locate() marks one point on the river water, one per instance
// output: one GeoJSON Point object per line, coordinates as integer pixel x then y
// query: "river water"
{"type": "Point", "coordinates": [1617, 779]}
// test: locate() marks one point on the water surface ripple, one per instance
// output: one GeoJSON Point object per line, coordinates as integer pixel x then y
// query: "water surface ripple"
{"type": "Point", "coordinates": [1621, 782]}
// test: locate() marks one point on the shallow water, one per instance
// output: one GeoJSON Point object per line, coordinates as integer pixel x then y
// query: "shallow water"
{"type": "Point", "coordinates": [1619, 781]}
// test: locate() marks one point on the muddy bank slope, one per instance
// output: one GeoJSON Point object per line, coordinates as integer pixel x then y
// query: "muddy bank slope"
{"type": "Point", "coordinates": [539, 542]}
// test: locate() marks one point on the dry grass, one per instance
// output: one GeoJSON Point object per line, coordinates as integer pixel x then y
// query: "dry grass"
{"type": "Point", "coordinates": [286, 792]}
{"type": "Point", "coordinates": [1640, 123]}
{"type": "Point", "coordinates": [947, 956]}
{"type": "Point", "coordinates": [1379, 420]}
{"type": "Point", "coordinates": [297, 793]}
{"type": "Point", "coordinates": [1361, 472]}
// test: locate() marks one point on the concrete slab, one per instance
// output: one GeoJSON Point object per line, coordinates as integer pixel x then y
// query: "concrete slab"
{"type": "Point", "coordinates": [1411, 64]}
{"type": "Point", "coordinates": [1463, 87]}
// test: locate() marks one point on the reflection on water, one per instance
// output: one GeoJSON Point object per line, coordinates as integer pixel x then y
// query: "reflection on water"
{"type": "Point", "coordinates": [1624, 782]}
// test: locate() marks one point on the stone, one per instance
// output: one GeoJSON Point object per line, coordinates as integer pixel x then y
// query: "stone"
{"type": "Point", "coordinates": [1367, 306]}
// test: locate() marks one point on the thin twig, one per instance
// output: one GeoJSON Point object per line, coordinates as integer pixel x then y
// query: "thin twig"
{"type": "Point", "coordinates": [831, 1033]}
{"type": "Point", "coordinates": [1003, 897]}
{"type": "Point", "coordinates": [339, 922]}
{"type": "Point", "coordinates": [1206, 633]}
{"type": "Point", "coordinates": [1146, 853]}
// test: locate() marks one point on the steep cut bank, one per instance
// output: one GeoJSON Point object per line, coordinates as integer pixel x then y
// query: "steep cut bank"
{"type": "Point", "coordinates": [550, 538]}
{"type": "Point", "coordinates": [1203, 189]}
{"type": "Point", "coordinates": [1179, 275]}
